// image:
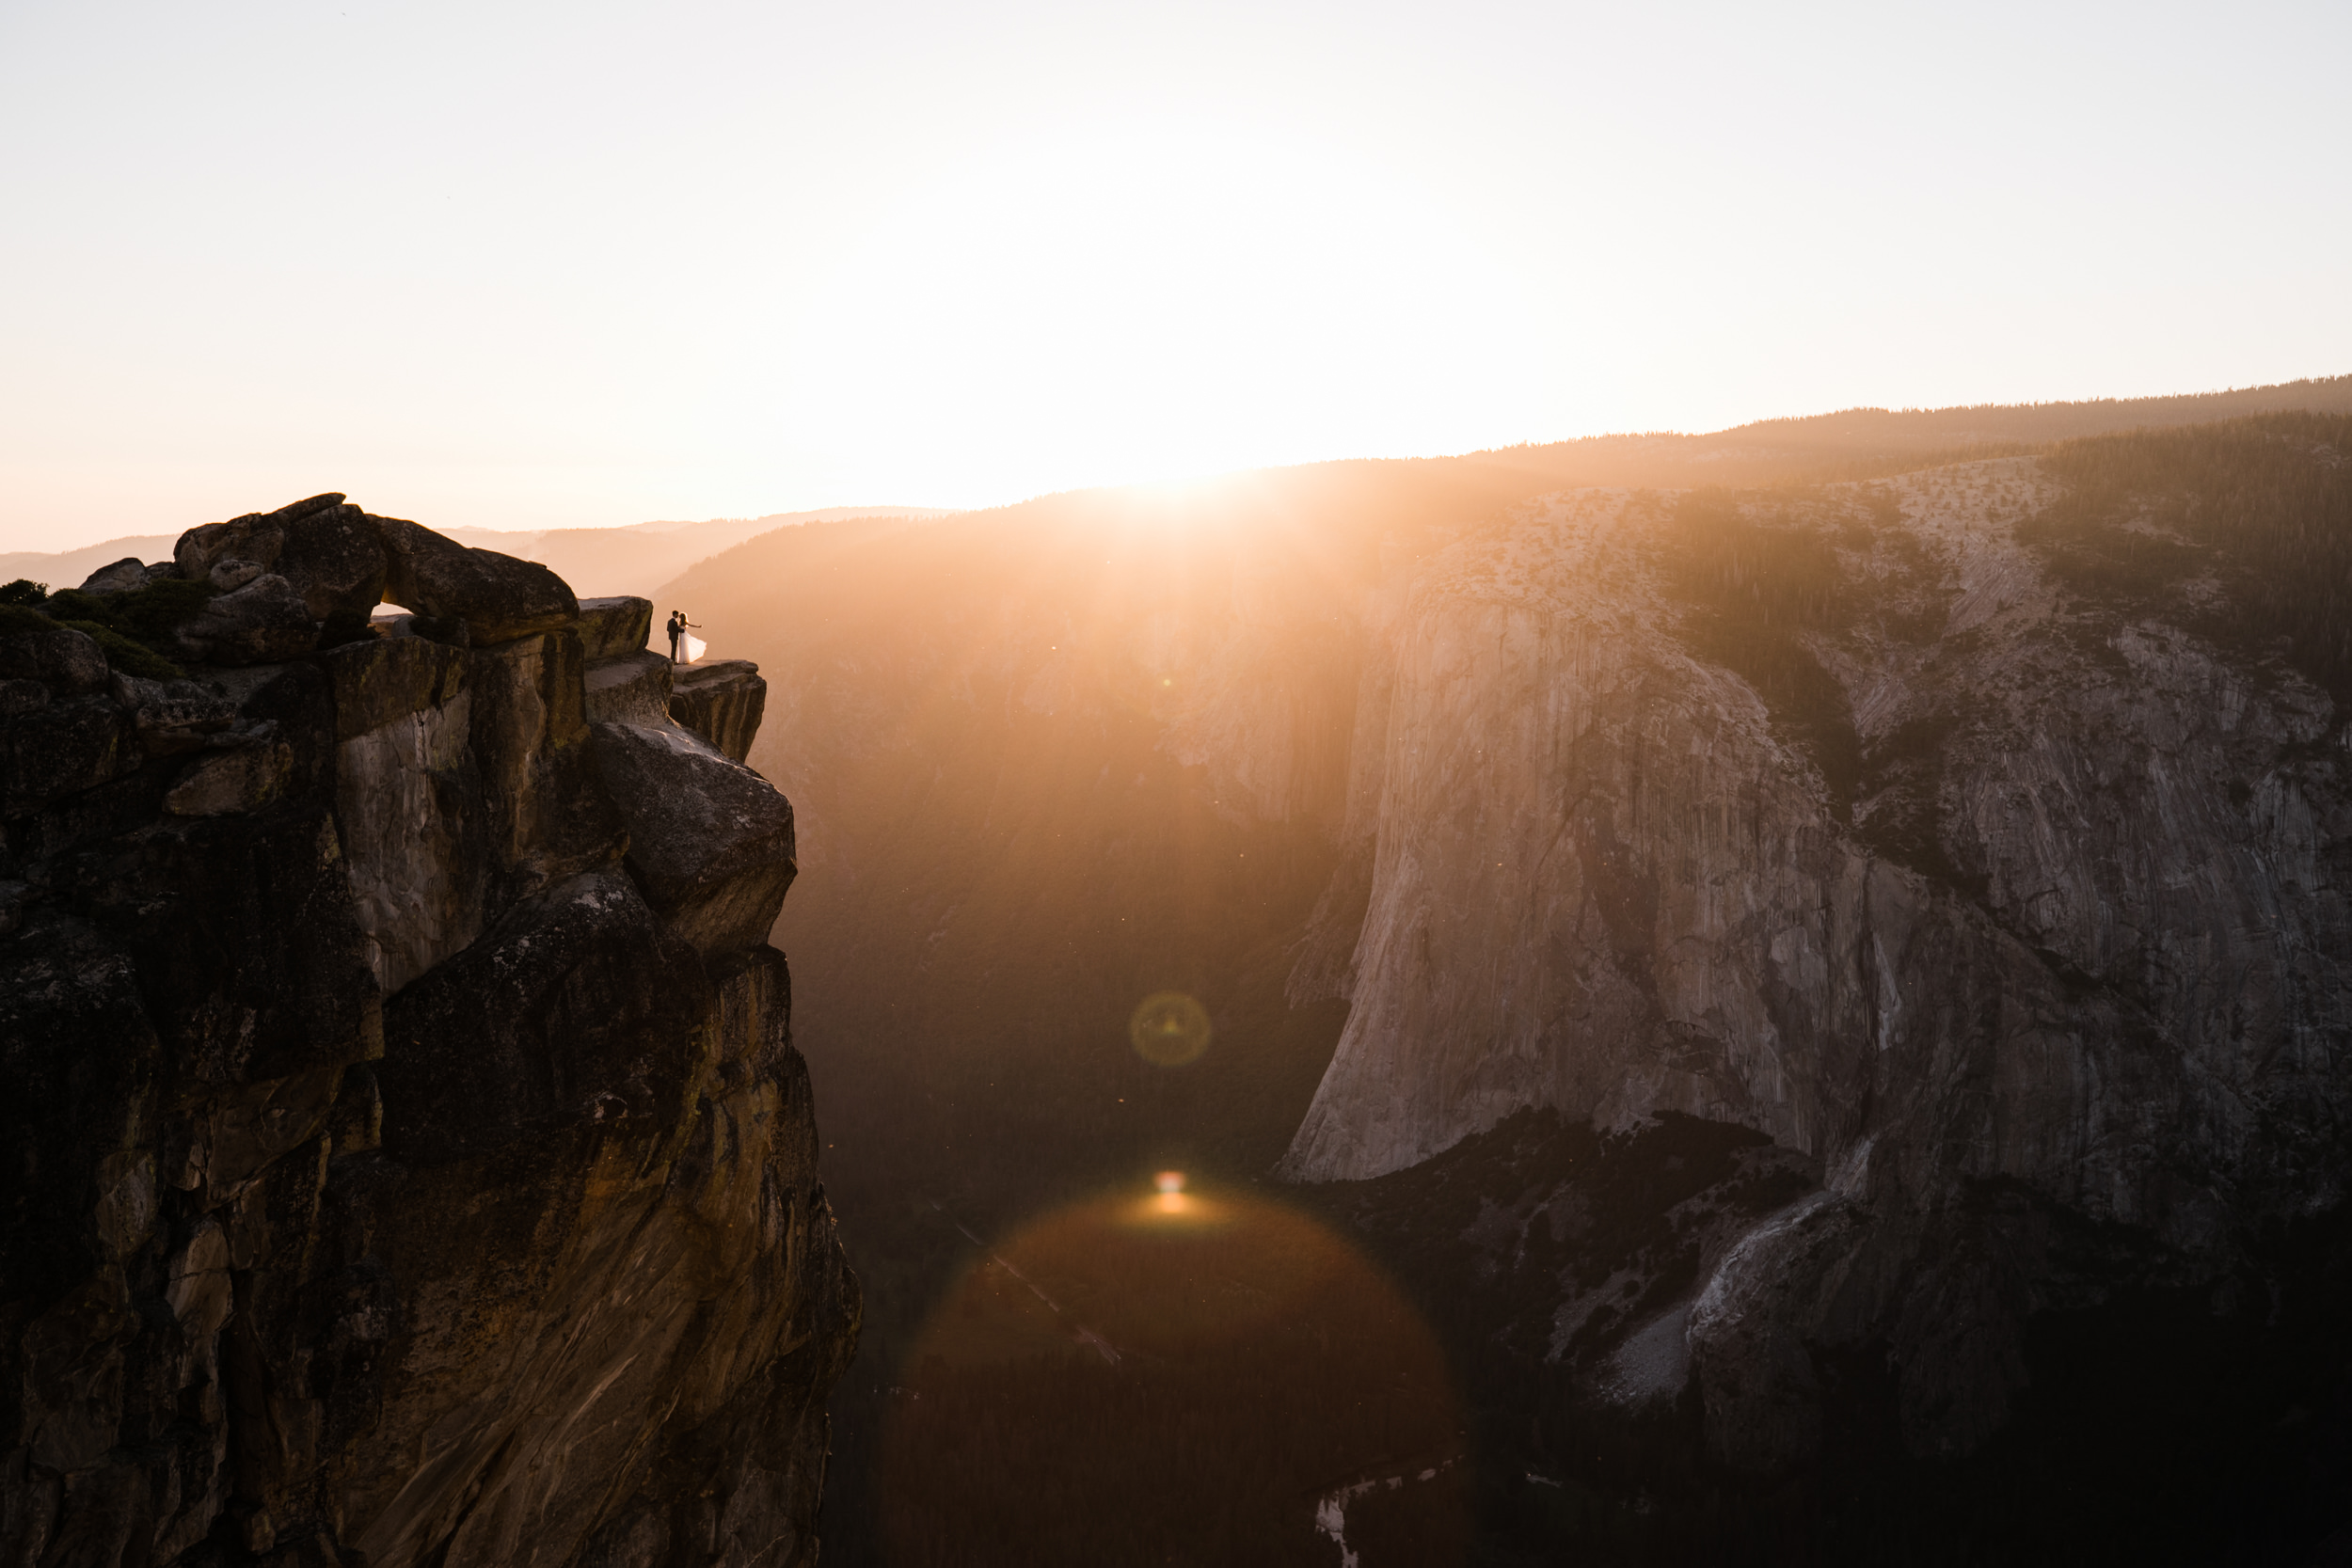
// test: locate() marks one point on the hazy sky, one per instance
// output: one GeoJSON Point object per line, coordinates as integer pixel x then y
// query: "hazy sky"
{"type": "Point", "coordinates": [522, 266]}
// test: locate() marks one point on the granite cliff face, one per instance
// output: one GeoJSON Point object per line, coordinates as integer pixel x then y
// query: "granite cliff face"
{"type": "Point", "coordinates": [409, 1159]}
{"type": "Point", "coordinates": [2020, 915]}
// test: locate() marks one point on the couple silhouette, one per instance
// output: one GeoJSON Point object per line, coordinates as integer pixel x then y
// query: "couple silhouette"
{"type": "Point", "coordinates": [680, 635]}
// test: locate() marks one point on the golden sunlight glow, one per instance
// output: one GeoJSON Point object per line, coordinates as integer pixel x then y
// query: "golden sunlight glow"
{"type": "Point", "coordinates": [1171, 1188]}
{"type": "Point", "coordinates": [1272, 1356]}
{"type": "Point", "coordinates": [1128, 292]}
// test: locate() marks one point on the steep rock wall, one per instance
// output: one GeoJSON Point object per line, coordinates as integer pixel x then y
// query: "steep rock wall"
{"type": "Point", "coordinates": [2071, 928]}
{"type": "Point", "coordinates": [410, 1160]}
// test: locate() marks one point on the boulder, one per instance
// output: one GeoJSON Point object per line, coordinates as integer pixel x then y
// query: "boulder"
{"type": "Point", "coordinates": [634, 690]}
{"type": "Point", "coordinates": [233, 574]}
{"type": "Point", "coordinates": [710, 841]}
{"type": "Point", "coordinates": [253, 537]}
{"type": "Point", "coordinates": [64, 660]}
{"type": "Point", "coordinates": [494, 597]}
{"type": "Point", "coordinates": [610, 628]}
{"type": "Point", "coordinates": [173, 717]}
{"type": "Point", "coordinates": [119, 578]}
{"type": "Point", "coordinates": [721, 702]}
{"type": "Point", "coordinates": [62, 748]}
{"type": "Point", "coordinates": [262, 623]}
{"type": "Point", "coordinates": [257, 536]}
{"type": "Point", "coordinates": [390, 678]}
{"type": "Point", "coordinates": [21, 696]}
{"type": "Point", "coordinates": [235, 781]}
{"type": "Point", "coordinates": [335, 558]}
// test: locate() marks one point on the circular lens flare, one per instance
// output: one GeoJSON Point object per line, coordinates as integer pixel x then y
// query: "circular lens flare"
{"type": "Point", "coordinates": [1169, 1029]}
{"type": "Point", "coordinates": [1231, 1372]}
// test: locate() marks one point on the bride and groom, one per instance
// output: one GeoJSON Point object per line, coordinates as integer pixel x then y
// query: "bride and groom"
{"type": "Point", "coordinates": [694, 647]}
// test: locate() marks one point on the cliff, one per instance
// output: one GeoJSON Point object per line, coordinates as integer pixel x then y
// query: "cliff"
{"type": "Point", "coordinates": [2017, 913]}
{"type": "Point", "coordinates": [410, 1160]}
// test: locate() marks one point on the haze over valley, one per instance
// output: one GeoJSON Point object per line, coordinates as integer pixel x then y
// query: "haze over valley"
{"type": "Point", "coordinates": [1309, 785]}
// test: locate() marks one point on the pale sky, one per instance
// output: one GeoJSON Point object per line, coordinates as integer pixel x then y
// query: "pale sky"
{"type": "Point", "coordinates": [531, 266]}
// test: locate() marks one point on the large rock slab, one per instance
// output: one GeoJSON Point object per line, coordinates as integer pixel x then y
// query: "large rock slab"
{"type": "Point", "coordinates": [241, 779]}
{"type": "Point", "coordinates": [173, 717]}
{"type": "Point", "coordinates": [547, 815]}
{"type": "Point", "coordinates": [613, 627]}
{"type": "Point", "coordinates": [262, 622]}
{"type": "Point", "coordinates": [334, 557]}
{"type": "Point", "coordinates": [68, 662]}
{"type": "Point", "coordinates": [410, 804]}
{"type": "Point", "coordinates": [631, 690]}
{"type": "Point", "coordinates": [119, 578]}
{"type": "Point", "coordinates": [709, 840]}
{"type": "Point", "coordinates": [494, 597]}
{"type": "Point", "coordinates": [723, 702]}
{"type": "Point", "coordinates": [258, 537]}
{"type": "Point", "coordinates": [61, 749]}
{"type": "Point", "coordinates": [578, 1011]}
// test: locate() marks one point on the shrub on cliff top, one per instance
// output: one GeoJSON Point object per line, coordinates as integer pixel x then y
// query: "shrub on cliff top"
{"type": "Point", "coordinates": [125, 657]}
{"type": "Point", "coordinates": [24, 591]}
{"type": "Point", "coordinates": [142, 619]}
{"type": "Point", "coordinates": [150, 613]}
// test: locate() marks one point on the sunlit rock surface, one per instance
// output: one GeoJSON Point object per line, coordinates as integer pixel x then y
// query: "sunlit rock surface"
{"type": "Point", "coordinates": [407, 1161]}
{"type": "Point", "coordinates": [2065, 916]}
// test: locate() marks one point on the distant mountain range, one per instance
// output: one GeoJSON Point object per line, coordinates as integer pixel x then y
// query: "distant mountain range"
{"type": "Point", "coordinates": [639, 559]}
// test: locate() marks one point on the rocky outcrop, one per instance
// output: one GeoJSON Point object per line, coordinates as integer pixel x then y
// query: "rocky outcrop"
{"type": "Point", "coordinates": [613, 627]}
{"type": "Point", "coordinates": [485, 597]}
{"type": "Point", "coordinates": [121, 576]}
{"type": "Point", "coordinates": [721, 702]}
{"type": "Point", "coordinates": [710, 841]}
{"type": "Point", "coordinates": [408, 1162]}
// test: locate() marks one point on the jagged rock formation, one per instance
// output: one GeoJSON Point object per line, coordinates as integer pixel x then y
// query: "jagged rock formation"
{"type": "Point", "coordinates": [408, 1161]}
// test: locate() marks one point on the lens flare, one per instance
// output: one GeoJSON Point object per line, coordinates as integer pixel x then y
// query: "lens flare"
{"type": "Point", "coordinates": [1169, 1029]}
{"type": "Point", "coordinates": [1234, 1372]}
